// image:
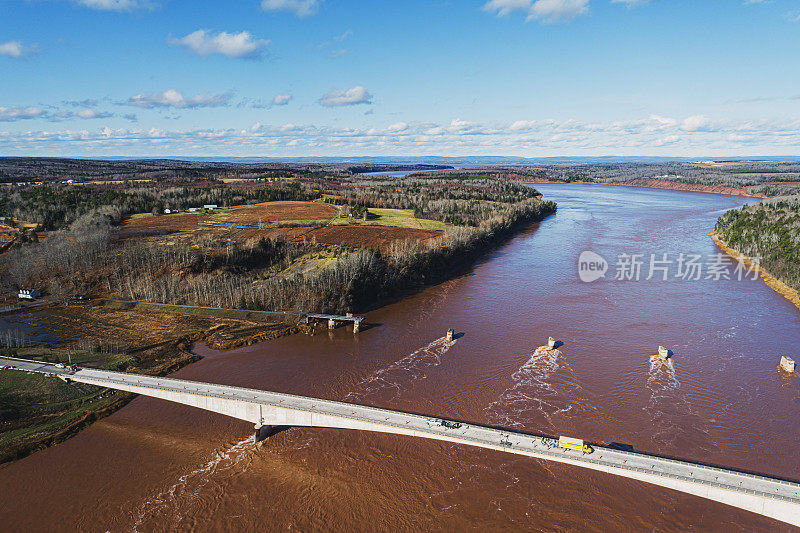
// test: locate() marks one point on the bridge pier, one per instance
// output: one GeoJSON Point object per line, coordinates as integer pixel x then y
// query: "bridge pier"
{"type": "Point", "coordinates": [331, 323]}
{"type": "Point", "coordinates": [263, 432]}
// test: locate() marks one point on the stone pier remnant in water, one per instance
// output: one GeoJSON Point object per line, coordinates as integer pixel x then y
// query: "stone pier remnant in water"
{"type": "Point", "coordinates": [551, 343]}
{"type": "Point", "coordinates": [450, 334]}
{"type": "Point", "coordinates": [787, 364]}
{"type": "Point", "coordinates": [664, 353]}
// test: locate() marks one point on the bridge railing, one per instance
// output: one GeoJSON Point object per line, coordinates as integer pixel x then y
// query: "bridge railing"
{"type": "Point", "coordinates": [483, 442]}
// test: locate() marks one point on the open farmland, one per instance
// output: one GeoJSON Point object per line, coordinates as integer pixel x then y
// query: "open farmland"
{"type": "Point", "coordinates": [369, 236]}
{"type": "Point", "coordinates": [294, 221]}
{"type": "Point", "coordinates": [401, 218]}
{"type": "Point", "coordinates": [277, 212]}
{"type": "Point", "coordinates": [161, 225]}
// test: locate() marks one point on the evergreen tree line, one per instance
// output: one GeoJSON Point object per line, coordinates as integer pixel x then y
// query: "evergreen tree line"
{"type": "Point", "coordinates": [769, 230]}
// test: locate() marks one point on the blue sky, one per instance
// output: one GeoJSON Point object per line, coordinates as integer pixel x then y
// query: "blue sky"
{"type": "Point", "coordinates": [295, 78]}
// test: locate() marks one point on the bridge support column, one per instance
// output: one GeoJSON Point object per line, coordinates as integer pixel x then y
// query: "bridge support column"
{"type": "Point", "coordinates": [356, 326]}
{"type": "Point", "coordinates": [262, 432]}
{"type": "Point", "coordinates": [331, 323]}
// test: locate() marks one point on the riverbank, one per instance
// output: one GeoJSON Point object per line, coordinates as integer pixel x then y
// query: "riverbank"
{"type": "Point", "coordinates": [156, 339]}
{"type": "Point", "coordinates": [39, 412]}
{"type": "Point", "coordinates": [774, 283]}
{"type": "Point", "coordinates": [653, 183]}
{"type": "Point", "coordinates": [411, 271]}
{"type": "Point", "coordinates": [717, 404]}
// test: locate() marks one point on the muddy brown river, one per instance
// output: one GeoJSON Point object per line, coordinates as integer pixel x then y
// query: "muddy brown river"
{"type": "Point", "coordinates": [157, 466]}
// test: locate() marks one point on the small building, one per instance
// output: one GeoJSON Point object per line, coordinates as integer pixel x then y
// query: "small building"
{"type": "Point", "coordinates": [28, 294]}
{"type": "Point", "coordinates": [194, 209]}
{"type": "Point", "coordinates": [167, 211]}
{"type": "Point", "coordinates": [210, 207]}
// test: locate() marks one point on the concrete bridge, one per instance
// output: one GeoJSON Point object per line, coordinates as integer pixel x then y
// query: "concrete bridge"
{"type": "Point", "coordinates": [759, 494]}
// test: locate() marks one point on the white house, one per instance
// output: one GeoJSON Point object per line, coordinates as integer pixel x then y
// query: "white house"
{"type": "Point", "coordinates": [29, 294]}
{"type": "Point", "coordinates": [210, 207]}
{"type": "Point", "coordinates": [167, 211]}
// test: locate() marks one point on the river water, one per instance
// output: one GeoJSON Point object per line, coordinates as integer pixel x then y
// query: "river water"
{"type": "Point", "coordinates": [156, 466]}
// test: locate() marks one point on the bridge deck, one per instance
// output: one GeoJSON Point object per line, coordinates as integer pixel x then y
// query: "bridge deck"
{"type": "Point", "coordinates": [714, 483]}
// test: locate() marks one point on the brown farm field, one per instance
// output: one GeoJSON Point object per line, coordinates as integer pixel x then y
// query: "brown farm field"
{"type": "Point", "coordinates": [373, 236]}
{"type": "Point", "coordinates": [161, 225]}
{"type": "Point", "coordinates": [268, 220]}
{"type": "Point", "coordinates": [277, 212]}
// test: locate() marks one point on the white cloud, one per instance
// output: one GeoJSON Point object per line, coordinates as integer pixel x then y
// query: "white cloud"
{"type": "Point", "coordinates": [175, 99]}
{"type": "Point", "coordinates": [354, 96]}
{"type": "Point", "coordinates": [338, 51]}
{"type": "Point", "coordinates": [15, 49]}
{"type": "Point", "coordinates": [548, 11]}
{"type": "Point", "coordinates": [669, 139]}
{"type": "Point", "coordinates": [347, 34]}
{"type": "Point", "coordinates": [234, 45]}
{"type": "Point", "coordinates": [655, 135]}
{"type": "Point", "coordinates": [91, 113]}
{"type": "Point", "coordinates": [115, 5]}
{"type": "Point", "coordinates": [529, 125]}
{"type": "Point", "coordinates": [504, 7]}
{"type": "Point", "coordinates": [397, 127]}
{"type": "Point", "coordinates": [552, 11]}
{"type": "Point", "coordinates": [301, 8]}
{"type": "Point", "coordinates": [697, 123]}
{"type": "Point", "coordinates": [458, 125]}
{"type": "Point", "coordinates": [87, 102]}
{"type": "Point", "coordinates": [281, 99]}
{"type": "Point", "coordinates": [12, 114]}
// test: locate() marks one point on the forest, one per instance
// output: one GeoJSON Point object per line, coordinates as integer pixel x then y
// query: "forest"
{"type": "Point", "coordinates": [768, 178]}
{"type": "Point", "coordinates": [769, 230]}
{"type": "Point", "coordinates": [82, 250]}
{"type": "Point", "coordinates": [57, 206]}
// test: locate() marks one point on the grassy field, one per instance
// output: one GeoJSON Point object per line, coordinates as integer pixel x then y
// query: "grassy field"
{"type": "Point", "coordinates": [400, 218]}
{"type": "Point", "coordinates": [193, 310]}
{"type": "Point", "coordinates": [36, 411]}
{"type": "Point", "coordinates": [34, 408]}
{"type": "Point", "coordinates": [291, 219]}
{"type": "Point", "coordinates": [108, 361]}
{"type": "Point", "coordinates": [218, 210]}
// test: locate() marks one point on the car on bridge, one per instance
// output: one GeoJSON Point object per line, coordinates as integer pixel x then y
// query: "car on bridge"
{"type": "Point", "coordinates": [448, 424]}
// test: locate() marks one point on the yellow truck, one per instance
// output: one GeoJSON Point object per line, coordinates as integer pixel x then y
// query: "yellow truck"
{"type": "Point", "coordinates": [568, 443]}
